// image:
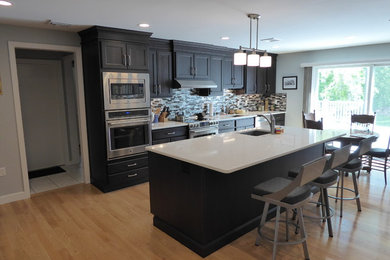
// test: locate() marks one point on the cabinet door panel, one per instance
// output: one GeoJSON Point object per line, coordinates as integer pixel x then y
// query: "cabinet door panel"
{"type": "Point", "coordinates": [227, 73]}
{"type": "Point", "coordinates": [202, 66]}
{"type": "Point", "coordinates": [164, 73]}
{"type": "Point", "coordinates": [184, 65]}
{"type": "Point", "coordinates": [137, 56]}
{"type": "Point", "coordinates": [250, 80]}
{"type": "Point", "coordinates": [216, 74]}
{"type": "Point", "coordinates": [238, 76]}
{"type": "Point", "coordinates": [113, 55]}
{"type": "Point", "coordinates": [153, 73]}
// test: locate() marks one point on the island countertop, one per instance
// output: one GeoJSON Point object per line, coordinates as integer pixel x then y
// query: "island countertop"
{"type": "Point", "coordinates": [230, 152]}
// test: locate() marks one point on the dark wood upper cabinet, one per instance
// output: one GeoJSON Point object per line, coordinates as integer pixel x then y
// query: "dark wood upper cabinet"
{"type": "Point", "coordinates": [202, 66]}
{"type": "Point", "coordinates": [192, 66]}
{"type": "Point", "coordinates": [137, 56]}
{"type": "Point", "coordinates": [216, 74]}
{"type": "Point", "coordinates": [250, 80]}
{"type": "Point", "coordinates": [266, 78]}
{"type": "Point", "coordinates": [232, 75]}
{"type": "Point", "coordinates": [160, 68]}
{"type": "Point", "coordinates": [184, 65]}
{"type": "Point", "coordinates": [114, 55]}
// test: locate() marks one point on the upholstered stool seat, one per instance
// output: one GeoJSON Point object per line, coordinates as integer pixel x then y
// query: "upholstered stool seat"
{"type": "Point", "coordinates": [279, 183]}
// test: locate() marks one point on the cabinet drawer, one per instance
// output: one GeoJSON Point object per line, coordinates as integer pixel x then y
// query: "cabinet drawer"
{"type": "Point", "coordinates": [245, 122]}
{"type": "Point", "coordinates": [226, 124]}
{"type": "Point", "coordinates": [169, 133]}
{"type": "Point", "coordinates": [128, 177]}
{"type": "Point", "coordinates": [127, 165]}
{"type": "Point", "coordinates": [240, 128]}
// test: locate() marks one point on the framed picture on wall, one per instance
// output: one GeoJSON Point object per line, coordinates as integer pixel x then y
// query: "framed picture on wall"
{"type": "Point", "coordinates": [290, 82]}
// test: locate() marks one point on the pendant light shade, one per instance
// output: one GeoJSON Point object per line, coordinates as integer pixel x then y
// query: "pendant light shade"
{"type": "Point", "coordinates": [240, 58]}
{"type": "Point", "coordinates": [253, 59]}
{"type": "Point", "coordinates": [265, 61]}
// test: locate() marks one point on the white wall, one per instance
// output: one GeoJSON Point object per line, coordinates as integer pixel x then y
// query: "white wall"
{"type": "Point", "coordinates": [290, 65]}
{"type": "Point", "coordinates": [9, 153]}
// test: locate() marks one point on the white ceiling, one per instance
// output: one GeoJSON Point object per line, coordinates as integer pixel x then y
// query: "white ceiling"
{"type": "Point", "coordinates": [299, 24]}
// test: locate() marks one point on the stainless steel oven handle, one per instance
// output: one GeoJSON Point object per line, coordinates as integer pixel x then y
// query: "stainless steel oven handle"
{"type": "Point", "coordinates": [129, 122]}
{"type": "Point", "coordinates": [132, 175]}
{"type": "Point", "coordinates": [171, 133]}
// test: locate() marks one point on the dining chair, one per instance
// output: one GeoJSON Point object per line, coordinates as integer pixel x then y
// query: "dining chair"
{"type": "Point", "coordinates": [308, 116]}
{"type": "Point", "coordinates": [362, 123]}
{"type": "Point", "coordinates": [312, 124]}
{"type": "Point", "coordinates": [378, 159]}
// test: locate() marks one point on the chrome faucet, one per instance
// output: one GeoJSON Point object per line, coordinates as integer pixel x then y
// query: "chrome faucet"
{"type": "Point", "coordinates": [271, 122]}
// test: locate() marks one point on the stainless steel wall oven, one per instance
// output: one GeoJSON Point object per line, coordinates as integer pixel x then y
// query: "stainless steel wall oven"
{"type": "Point", "coordinates": [128, 132]}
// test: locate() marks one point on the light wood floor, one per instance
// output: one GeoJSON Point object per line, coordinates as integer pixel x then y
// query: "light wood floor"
{"type": "Point", "coordinates": [79, 222]}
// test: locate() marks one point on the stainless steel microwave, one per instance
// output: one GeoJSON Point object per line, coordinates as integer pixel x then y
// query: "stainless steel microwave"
{"type": "Point", "coordinates": [126, 90]}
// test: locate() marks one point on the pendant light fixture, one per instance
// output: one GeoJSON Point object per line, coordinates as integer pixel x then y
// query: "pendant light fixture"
{"type": "Point", "coordinates": [253, 59]}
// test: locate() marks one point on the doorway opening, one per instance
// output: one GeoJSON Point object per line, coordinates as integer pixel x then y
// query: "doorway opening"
{"type": "Point", "coordinates": [50, 121]}
{"type": "Point", "coordinates": [50, 113]}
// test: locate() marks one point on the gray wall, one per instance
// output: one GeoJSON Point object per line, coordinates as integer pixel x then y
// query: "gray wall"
{"type": "Point", "coordinates": [290, 65]}
{"type": "Point", "coordinates": [9, 152]}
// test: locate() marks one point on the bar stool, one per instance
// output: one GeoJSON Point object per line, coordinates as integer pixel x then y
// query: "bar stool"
{"type": "Point", "coordinates": [289, 194]}
{"type": "Point", "coordinates": [328, 178]}
{"type": "Point", "coordinates": [354, 165]}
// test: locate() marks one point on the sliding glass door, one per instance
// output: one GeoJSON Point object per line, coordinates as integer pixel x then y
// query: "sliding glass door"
{"type": "Point", "coordinates": [340, 91]}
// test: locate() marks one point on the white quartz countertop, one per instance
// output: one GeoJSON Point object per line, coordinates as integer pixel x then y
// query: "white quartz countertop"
{"type": "Point", "coordinates": [168, 124]}
{"type": "Point", "coordinates": [230, 152]}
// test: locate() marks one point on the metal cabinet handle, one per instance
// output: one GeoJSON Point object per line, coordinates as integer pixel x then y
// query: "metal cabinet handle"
{"type": "Point", "coordinates": [233, 81]}
{"type": "Point", "coordinates": [194, 71]}
{"type": "Point", "coordinates": [226, 125]}
{"type": "Point", "coordinates": [124, 61]}
{"type": "Point", "coordinates": [159, 88]}
{"type": "Point", "coordinates": [132, 175]}
{"type": "Point", "coordinates": [132, 165]}
{"type": "Point", "coordinates": [129, 60]}
{"type": "Point", "coordinates": [155, 88]}
{"type": "Point", "coordinates": [171, 133]}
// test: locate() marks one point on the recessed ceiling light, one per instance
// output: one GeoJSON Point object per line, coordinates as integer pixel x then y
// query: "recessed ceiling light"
{"type": "Point", "coordinates": [5, 3]}
{"type": "Point", "coordinates": [225, 38]}
{"type": "Point", "coordinates": [144, 25]}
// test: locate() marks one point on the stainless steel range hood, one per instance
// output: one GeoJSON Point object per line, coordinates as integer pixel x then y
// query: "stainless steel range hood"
{"type": "Point", "coordinates": [186, 83]}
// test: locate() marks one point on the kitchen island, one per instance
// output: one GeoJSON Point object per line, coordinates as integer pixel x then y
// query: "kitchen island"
{"type": "Point", "coordinates": [200, 188]}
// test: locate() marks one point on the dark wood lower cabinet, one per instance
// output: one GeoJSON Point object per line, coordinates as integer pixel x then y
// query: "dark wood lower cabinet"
{"type": "Point", "coordinates": [205, 209]}
{"type": "Point", "coordinates": [167, 135]}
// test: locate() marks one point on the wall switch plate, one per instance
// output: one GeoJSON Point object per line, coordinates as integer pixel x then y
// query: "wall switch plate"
{"type": "Point", "coordinates": [2, 171]}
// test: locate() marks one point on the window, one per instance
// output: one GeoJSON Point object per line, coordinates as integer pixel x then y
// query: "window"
{"type": "Point", "coordinates": [344, 90]}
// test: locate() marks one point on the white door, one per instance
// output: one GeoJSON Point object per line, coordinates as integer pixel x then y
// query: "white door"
{"type": "Point", "coordinates": [43, 113]}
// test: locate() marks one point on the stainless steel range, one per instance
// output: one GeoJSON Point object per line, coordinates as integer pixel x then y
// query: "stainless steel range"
{"type": "Point", "coordinates": [202, 128]}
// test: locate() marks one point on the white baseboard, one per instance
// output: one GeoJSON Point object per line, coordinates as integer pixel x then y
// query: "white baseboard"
{"type": "Point", "coordinates": [14, 197]}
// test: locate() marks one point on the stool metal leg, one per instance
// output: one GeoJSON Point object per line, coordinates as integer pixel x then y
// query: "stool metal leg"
{"type": "Point", "coordinates": [287, 235]}
{"type": "Point", "coordinates": [329, 220]}
{"type": "Point", "coordinates": [338, 185]}
{"type": "Point", "coordinates": [303, 233]}
{"type": "Point", "coordinates": [323, 210]}
{"type": "Point", "coordinates": [342, 194]}
{"type": "Point", "coordinates": [276, 232]}
{"type": "Point", "coordinates": [356, 192]}
{"type": "Point", "coordinates": [262, 222]}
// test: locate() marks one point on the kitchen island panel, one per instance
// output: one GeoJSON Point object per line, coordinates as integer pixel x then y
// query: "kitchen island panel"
{"type": "Point", "coordinates": [205, 209]}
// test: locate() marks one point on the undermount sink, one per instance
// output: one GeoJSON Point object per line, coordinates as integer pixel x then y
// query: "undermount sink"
{"type": "Point", "coordinates": [255, 132]}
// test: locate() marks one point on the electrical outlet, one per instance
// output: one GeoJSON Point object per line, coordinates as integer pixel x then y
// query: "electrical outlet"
{"type": "Point", "coordinates": [2, 171]}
